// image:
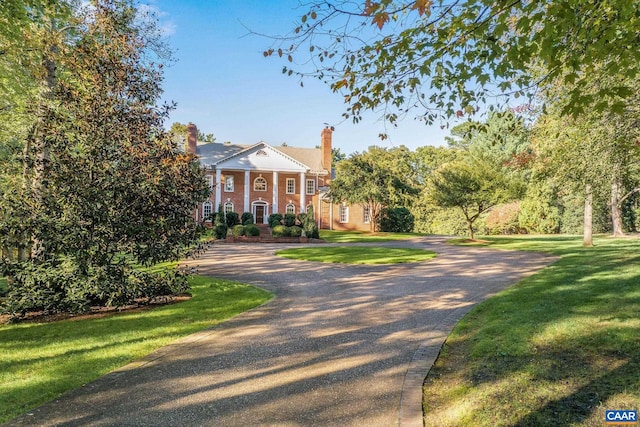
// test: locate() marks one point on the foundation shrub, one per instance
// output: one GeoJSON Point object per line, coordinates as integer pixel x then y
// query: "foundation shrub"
{"type": "Point", "coordinates": [295, 231]}
{"type": "Point", "coordinates": [279, 231]}
{"type": "Point", "coordinates": [275, 219]}
{"type": "Point", "coordinates": [238, 230]}
{"type": "Point", "coordinates": [251, 230]}
{"type": "Point", "coordinates": [232, 219]}
{"type": "Point", "coordinates": [397, 220]}
{"type": "Point", "coordinates": [247, 218]}
{"type": "Point", "coordinates": [289, 220]}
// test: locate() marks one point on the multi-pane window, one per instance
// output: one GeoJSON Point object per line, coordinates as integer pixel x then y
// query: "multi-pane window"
{"type": "Point", "coordinates": [228, 207]}
{"type": "Point", "coordinates": [206, 211]}
{"type": "Point", "coordinates": [291, 209]}
{"type": "Point", "coordinates": [311, 187]}
{"type": "Point", "coordinates": [366, 214]}
{"type": "Point", "coordinates": [228, 183]}
{"type": "Point", "coordinates": [344, 213]}
{"type": "Point", "coordinates": [291, 185]}
{"type": "Point", "coordinates": [260, 184]}
{"type": "Point", "coordinates": [210, 181]}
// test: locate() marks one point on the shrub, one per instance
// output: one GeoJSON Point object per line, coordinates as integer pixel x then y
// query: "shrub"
{"type": "Point", "coordinates": [275, 219]}
{"type": "Point", "coordinates": [251, 230]}
{"type": "Point", "coordinates": [238, 230]}
{"type": "Point", "coordinates": [309, 224]}
{"type": "Point", "coordinates": [295, 231]}
{"type": "Point", "coordinates": [289, 220]}
{"type": "Point", "coordinates": [503, 219]}
{"type": "Point", "coordinates": [397, 220]}
{"type": "Point", "coordinates": [247, 218]}
{"type": "Point", "coordinates": [220, 226]}
{"type": "Point", "coordinates": [54, 287]}
{"type": "Point", "coordinates": [279, 231]}
{"type": "Point", "coordinates": [232, 219]}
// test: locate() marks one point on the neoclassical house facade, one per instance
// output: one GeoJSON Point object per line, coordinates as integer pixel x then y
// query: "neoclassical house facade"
{"type": "Point", "coordinates": [263, 179]}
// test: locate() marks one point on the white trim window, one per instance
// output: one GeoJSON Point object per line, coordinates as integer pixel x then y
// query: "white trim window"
{"type": "Point", "coordinates": [290, 209]}
{"type": "Point", "coordinates": [228, 184]}
{"type": "Point", "coordinates": [210, 181]}
{"type": "Point", "coordinates": [260, 184]}
{"type": "Point", "coordinates": [366, 214]}
{"type": "Point", "coordinates": [344, 213]}
{"type": "Point", "coordinates": [291, 186]}
{"type": "Point", "coordinates": [228, 207]}
{"type": "Point", "coordinates": [311, 187]}
{"type": "Point", "coordinates": [207, 209]}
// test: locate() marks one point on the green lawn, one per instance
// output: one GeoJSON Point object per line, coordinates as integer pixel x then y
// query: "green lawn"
{"type": "Point", "coordinates": [42, 360]}
{"type": "Point", "coordinates": [357, 254]}
{"type": "Point", "coordinates": [558, 348]}
{"type": "Point", "coordinates": [333, 236]}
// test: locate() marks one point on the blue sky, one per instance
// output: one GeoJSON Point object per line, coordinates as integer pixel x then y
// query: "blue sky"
{"type": "Point", "coordinates": [224, 85]}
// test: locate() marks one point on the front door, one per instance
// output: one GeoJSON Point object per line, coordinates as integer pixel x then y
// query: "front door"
{"type": "Point", "coordinates": [259, 214]}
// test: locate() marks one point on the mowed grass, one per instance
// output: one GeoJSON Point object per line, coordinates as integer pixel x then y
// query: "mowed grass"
{"type": "Point", "coordinates": [357, 254]}
{"type": "Point", "coordinates": [40, 361]}
{"type": "Point", "coordinates": [557, 349]}
{"type": "Point", "coordinates": [335, 236]}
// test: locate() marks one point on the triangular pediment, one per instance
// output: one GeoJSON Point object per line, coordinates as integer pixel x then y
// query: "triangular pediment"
{"type": "Point", "coordinates": [261, 156]}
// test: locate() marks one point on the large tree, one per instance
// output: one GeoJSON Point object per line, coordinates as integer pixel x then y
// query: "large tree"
{"type": "Point", "coordinates": [473, 185]}
{"type": "Point", "coordinates": [104, 187]}
{"type": "Point", "coordinates": [377, 178]}
{"type": "Point", "coordinates": [445, 58]}
{"type": "Point", "coordinates": [593, 153]}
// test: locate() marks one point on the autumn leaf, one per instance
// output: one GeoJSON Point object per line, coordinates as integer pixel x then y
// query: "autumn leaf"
{"type": "Point", "coordinates": [422, 6]}
{"type": "Point", "coordinates": [380, 19]}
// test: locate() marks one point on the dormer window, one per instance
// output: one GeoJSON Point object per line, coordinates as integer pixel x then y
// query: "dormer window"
{"type": "Point", "coordinates": [260, 184]}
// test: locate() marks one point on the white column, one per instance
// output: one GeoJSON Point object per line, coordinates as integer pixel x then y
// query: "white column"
{"type": "Point", "coordinates": [303, 190]}
{"type": "Point", "coordinates": [218, 190]}
{"type": "Point", "coordinates": [274, 205]}
{"type": "Point", "coordinates": [247, 184]}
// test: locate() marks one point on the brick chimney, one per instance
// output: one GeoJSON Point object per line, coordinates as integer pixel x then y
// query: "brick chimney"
{"type": "Point", "coordinates": [192, 138]}
{"type": "Point", "coordinates": [325, 147]}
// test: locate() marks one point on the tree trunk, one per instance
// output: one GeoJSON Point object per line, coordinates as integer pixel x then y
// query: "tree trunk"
{"type": "Point", "coordinates": [587, 239]}
{"type": "Point", "coordinates": [616, 206]}
{"type": "Point", "coordinates": [39, 143]}
{"type": "Point", "coordinates": [470, 228]}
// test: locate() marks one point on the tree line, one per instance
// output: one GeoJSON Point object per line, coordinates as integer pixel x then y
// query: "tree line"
{"type": "Point", "coordinates": [504, 175]}
{"type": "Point", "coordinates": [571, 65]}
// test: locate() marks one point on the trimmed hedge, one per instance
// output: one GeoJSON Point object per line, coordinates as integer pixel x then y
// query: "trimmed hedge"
{"type": "Point", "coordinates": [251, 230]}
{"type": "Point", "coordinates": [279, 231]}
{"type": "Point", "coordinates": [238, 230]}
{"type": "Point", "coordinates": [274, 219]}
{"type": "Point", "coordinates": [247, 218]}
{"type": "Point", "coordinates": [295, 231]}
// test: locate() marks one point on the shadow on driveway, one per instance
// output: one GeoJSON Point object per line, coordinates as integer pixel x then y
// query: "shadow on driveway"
{"type": "Point", "coordinates": [339, 345]}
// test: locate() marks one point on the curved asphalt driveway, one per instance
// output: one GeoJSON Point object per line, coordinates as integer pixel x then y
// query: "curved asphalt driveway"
{"type": "Point", "coordinates": [339, 345]}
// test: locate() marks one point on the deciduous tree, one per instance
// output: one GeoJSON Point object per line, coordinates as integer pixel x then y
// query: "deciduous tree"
{"type": "Point", "coordinates": [376, 178]}
{"type": "Point", "coordinates": [473, 185]}
{"type": "Point", "coordinates": [443, 58]}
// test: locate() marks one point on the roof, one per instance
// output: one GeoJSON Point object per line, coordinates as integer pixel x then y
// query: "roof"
{"type": "Point", "coordinates": [212, 153]}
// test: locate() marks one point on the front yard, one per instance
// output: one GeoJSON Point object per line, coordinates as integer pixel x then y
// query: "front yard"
{"type": "Point", "coordinates": [40, 361]}
{"type": "Point", "coordinates": [558, 348]}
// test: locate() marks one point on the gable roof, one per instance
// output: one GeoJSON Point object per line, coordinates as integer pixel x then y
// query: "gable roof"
{"type": "Point", "coordinates": [236, 156]}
